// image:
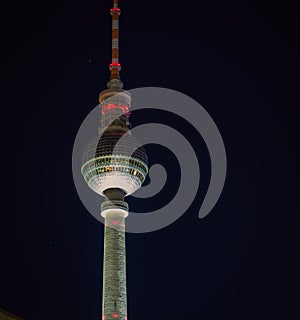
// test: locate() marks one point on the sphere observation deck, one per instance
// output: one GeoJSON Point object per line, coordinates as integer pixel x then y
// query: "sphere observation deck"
{"type": "Point", "coordinates": [109, 162]}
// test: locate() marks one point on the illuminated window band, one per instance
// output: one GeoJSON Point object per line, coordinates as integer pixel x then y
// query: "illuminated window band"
{"type": "Point", "coordinates": [128, 165]}
{"type": "Point", "coordinates": [103, 172]}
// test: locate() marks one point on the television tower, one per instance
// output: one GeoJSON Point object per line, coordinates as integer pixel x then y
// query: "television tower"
{"type": "Point", "coordinates": [114, 166]}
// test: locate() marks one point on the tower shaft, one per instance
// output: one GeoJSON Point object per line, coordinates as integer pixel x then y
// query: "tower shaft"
{"type": "Point", "coordinates": [114, 210]}
{"type": "Point", "coordinates": [114, 270]}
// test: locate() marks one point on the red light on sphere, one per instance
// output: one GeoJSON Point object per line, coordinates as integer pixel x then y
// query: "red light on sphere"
{"type": "Point", "coordinates": [104, 317]}
{"type": "Point", "coordinates": [115, 222]}
{"type": "Point", "coordinates": [115, 315]}
{"type": "Point", "coordinates": [125, 109]}
{"type": "Point", "coordinates": [110, 106]}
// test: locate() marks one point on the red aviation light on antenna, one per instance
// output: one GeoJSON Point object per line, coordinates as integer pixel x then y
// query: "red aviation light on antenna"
{"type": "Point", "coordinates": [115, 65]}
{"type": "Point", "coordinates": [115, 316]}
{"type": "Point", "coordinates": [113, 10]}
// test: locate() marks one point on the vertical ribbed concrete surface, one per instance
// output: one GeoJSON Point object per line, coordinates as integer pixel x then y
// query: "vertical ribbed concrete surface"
{"type": "Point", "coordinates": [114, 271]}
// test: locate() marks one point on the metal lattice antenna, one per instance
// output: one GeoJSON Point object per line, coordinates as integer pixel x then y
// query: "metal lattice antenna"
{"type": "Point", "coordinates": [115, 66]}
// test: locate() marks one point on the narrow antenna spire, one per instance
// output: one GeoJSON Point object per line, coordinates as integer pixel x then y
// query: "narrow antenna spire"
{"type": "Point", "coordinates": [115, 66]}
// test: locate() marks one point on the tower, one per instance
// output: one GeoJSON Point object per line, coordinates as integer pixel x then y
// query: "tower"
{"type": "Point", "coordinates": [114, 166]}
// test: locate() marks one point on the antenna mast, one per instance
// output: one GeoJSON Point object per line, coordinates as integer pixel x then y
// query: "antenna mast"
{"type": "Point", "coordinates": [115, 66]}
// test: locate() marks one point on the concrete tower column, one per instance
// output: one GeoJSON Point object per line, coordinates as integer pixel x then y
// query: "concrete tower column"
{"type": "Point", "coordinates": [114, 210]}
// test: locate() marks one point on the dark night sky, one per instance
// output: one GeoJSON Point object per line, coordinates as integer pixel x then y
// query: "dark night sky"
{"type": "Point", "coordinates": [240, 60]}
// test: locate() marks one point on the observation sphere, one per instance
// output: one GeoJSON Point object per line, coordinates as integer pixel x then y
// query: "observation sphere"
{"type": "Point", "coordinates": [114, 159]}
